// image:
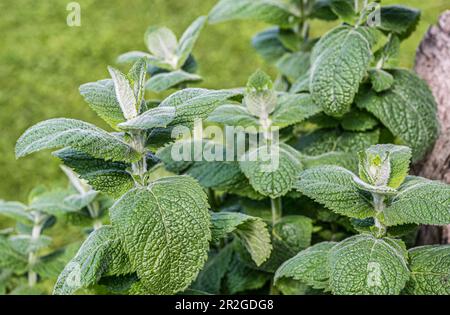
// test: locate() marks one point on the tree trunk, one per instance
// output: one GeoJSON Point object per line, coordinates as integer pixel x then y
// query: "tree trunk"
{"type": "Point", "coordinates": [433, 65]}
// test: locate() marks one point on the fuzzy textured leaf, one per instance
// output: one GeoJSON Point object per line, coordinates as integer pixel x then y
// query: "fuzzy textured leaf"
{"type": "Point", "coordinates": [399, 19]}
{"type": "Point", "coordinates": [381, 80]}
{"type": "Point", "coordinates": [309, 266]}
{"type": "Point", "coordinates": [270, 11]}
{"type": "Point", "coordinates": [165, 231]}
{"type": "Point", "coordinates": [196, 103]}
{"type": "Point", "coordinates": [335, 188]}
{"type": "Point", "coordinates": [233, 115]}
{"type": "Point", "coordinates": [272, 170]}
{"type": "Point", "coordinates": [100, 254]}
{"type": "Point", "coordinates": [340, 61]}
{"type": "Point", "coordinates": [16, 211]}
{"type": "Point", "coordinates": [422, 202]}
{"type": "Point", "coordinates": [252, 231]}
{"type": "Point", "coordinates": [124, 93]}
{"type": "Point", "coordinates": [101, 97]}
{"type": "Point", "coordinates": [408, 110]}
{"type": "Point", "coordinates": [82, 136]}
{"type": "Point", "coordinates": [430, 270]}
{"type": "Point", "coordinates": [164, 81]}
{"type": "Point", "coordinates": [188, 39]}
{"type": "Point", "coordinates": [365, 265]}
{"type": "Point", "coordinates": [293, 109]}
{"type": "Point", "coordinates": [294, 231]}
{"type": "Point", "coordinates": [105, 176]}
{"type": "Point", "coordinates": [158, 117]}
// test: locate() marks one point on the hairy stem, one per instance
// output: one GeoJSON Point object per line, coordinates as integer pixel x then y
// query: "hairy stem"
{"type": "Point", "coordinates": [379, 205]}
{"type": "Point", "coordinates": [32, 257]}
{"type": "Point", "coordinates": [277, 210]}
{"type": "Point", "coordinates": [94, 212]}
{"type": "Point", "coordinates": [140, 167]}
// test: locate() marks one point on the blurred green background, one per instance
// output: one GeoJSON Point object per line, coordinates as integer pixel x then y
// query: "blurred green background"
{"type": "Point", "coordinates": [43, 61]}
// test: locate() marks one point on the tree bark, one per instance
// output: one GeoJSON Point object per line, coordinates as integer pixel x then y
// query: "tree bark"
{"type": "Point", "coordinates": [433, 65]}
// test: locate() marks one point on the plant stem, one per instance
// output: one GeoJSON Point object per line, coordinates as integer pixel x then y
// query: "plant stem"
{"type": "Point", "coordinates": [378, 202]}
{"type": "Point", "coordinates": [140, 167]}
{"type": "Point", "coordinates": [32, 257]}
{"type": "Point", "coordinates": [277, 210]}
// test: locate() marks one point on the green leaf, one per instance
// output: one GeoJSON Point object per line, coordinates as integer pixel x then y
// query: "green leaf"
{"type": "Point", "coordinates": [294, 231]}
{"type": "Point", "coordinates": [293, 109]}
{"type": "Point", "coordinates": [82, 136]}
{"type": "Point", "coordinates": [342, 159]}
{"type": "Point", "coordinates": [399, 19]}
{"type": "Point", "coordinates": [260, 97]}
{"type": "Point", "coordinates": [51, 265]}
{"type": "Point", "coordinates": [420, 201]}
{"type": "Point", "coordinates": [211, 277]}
{"type": "Point", "coordinates": [79, 201]}
{"type": "Point", "coordinates": [16, 211]}
{"type": "Point", "coordinates": [269, 11]}
{"type": "Point", "coordinates": [10, 258]}
{"type": "Point", "coordinates": [53, 202]}
{"type": "Point", "coordinates": [385, 164]}
{"type": "Point", "coordinates": [25, 244]}
{"type": "Point", "coordinates": [430, 270]}
{"type": "Point", "coordinates": [188, 39]}
{"type": "Point", "coordinates": [158, 117]}
{"type": "Point", "coordinates": [381, 80]}
{"type": "Point", "coordinates": [124, 93]}
{"type": "Point", "coordinates": [335, 188]}
{"type": "Point", "coordinates": [301, 85]}
{"type": "Point", "coordinates": [162, 43]}
{"type": "Point", "coordinates": [136, 77]}
{"type": "Point", "coordinates": [217, 175]}
{"type": "Point", "coordinates": [133, 56]}
{"type": "Point", "coordinates": [309, 266]}
{"type": "Point", "coordinates": [101, 97]}
{"type": "Point", "coordinates": [408, 110]}
{"type": "Point", "coordinates": [321, 9]}
{"type": "Point", "coordinates": [363, 264]}
{"type": "Point", "coordinates": [340, 61]}
{"type": "Point", "coordinates": [272, 170]}
{"type": "Point", "coordinates": [358, 120]}
{"type": "Point", "coordinates": [196, 103]}
{"type": "Point", "coordinates": [105, 176]}
{"type": "Point", "coordinates": [241, 278]}
{"type": "Point", "coordinates": [252, 231]}
{"type": "Point", "coordinates": [164, 81]}
{"type": "Point", "coordinates": [267, 43]}
{"type": "Point", "coordinates": [331, 140]}
{"type": "Point", "coordinates": [390, 52]}
{"type": "Point", "coordinates": [233, 115]}
{"type": "Point", "coordinates": [294, 65]}
{"type": "Point", "coordinates": [101, 254]}
{"type": "Point", "coordinates": [345, 9]}
{"type": "Point", "coordinates": [165, 231]}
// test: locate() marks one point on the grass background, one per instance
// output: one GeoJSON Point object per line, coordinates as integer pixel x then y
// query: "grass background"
{"type": "Point", "coordinates": [43, 61]}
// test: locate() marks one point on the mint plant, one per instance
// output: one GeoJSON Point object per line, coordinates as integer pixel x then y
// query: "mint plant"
{"type": "Point", "coordinates": [350, 71]}
{"type": "Point", "coordinates": [381, 200]}
{"type": "Point", "coordinates": [28, 256]}
{"type": "Point", "coordinates": [170, 61]}
{"type": "Point", "coordinates": [92, 205]}
{"type": "Point", "coordinates": [160, 228]}
{"type": "Point", "coordinates": [221, 209]}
